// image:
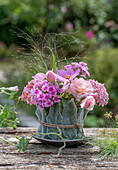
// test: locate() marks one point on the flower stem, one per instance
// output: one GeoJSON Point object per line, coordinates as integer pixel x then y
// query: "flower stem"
{"type": "Point", "coordinates": [52, 133]}
{"type": "Point", "coordinates": [7, 141]}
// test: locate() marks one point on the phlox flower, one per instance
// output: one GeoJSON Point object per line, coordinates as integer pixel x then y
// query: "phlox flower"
{"type": "Point", "coordinates": [44, 87]}
{"type": "Point", "coordinates": [47, 96]}
{"type": "Point", "coordinates": [56, 99]}
{"type": "Point", "coordinates": [48, 103]}
{"type": "Point", "coordinates": [51, 89]}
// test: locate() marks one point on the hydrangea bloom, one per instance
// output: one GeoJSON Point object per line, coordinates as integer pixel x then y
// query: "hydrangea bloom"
{"type": "Point", "coordinates": [102, 96]}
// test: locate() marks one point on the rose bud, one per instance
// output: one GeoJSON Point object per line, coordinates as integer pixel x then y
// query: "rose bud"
{"type": "Point", "coordinates": [50, 76]}
{"type": "Point", "coordinates": [88, 103]}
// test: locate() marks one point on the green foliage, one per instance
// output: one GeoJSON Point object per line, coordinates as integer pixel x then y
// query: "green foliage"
{"type": "Point", "coordinates": [22, 144]}
{"type": "Point", "coordinates": [7, 53]}
{"type": "Point", "coordinates": [8, 117]}
{"type": "Point", "coordinates": [55, 16]}
{"type": "Point", "coordinates": [108, 147]}
{"type": "Point", "coordinates": [108, 138]}
{"type": "Point", "coordinates": [93, 121]}
{"type": "Point", "coordinates": [103, 66]}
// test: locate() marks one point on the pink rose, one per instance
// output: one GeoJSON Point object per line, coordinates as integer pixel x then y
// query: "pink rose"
{"type": "Point", "coordinates": [88, 103]}
{"type": "Point", "coordinates": [50, 76]}
{"type": "Point", "coordinates": [81, 88]}
{"type": "Point", "coordinates": [67, 86]}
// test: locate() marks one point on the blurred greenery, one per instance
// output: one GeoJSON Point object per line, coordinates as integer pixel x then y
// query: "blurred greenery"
{"type": "Point", "coordinates": [103, 66]}
{"type": "Point", "coordinates": [57, 16]}
{"type": "Point", "coordinates": [19, 18]}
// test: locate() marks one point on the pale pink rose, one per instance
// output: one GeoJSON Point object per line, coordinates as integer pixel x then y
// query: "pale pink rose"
{"type": "Point", "coordinates": [88, 103]}
{"type": "Point", "coordinates": [67, 86]}
{"type": "Point", "coordinates": [81, 88]}
{"type": "Point", "coordinates": [15, 88]}
{"type": "Point", "coordinates": [50, 76]}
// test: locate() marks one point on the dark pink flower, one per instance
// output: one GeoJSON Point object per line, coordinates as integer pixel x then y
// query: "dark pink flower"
{"type": "Point", "coordinates": [89, 34]}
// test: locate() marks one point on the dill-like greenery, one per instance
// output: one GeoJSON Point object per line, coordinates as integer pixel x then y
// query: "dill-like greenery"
{"type": "Point", "coordinates": [37, 55]}
{"type": "Point", "coordinates": [108, 147]}
{"type": "Point", "coordinates": [108, 139]}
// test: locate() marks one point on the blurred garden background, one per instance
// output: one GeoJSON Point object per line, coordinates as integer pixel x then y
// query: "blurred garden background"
{"type": "Point", "coordinates": [94, 25]}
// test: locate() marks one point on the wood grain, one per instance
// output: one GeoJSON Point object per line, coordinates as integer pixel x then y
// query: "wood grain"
{"type": "Point", "coordinates": [40, 157]}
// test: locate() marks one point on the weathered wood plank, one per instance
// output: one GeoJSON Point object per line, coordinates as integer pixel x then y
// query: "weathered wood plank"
{"type": "Point", "coordinates": [40, 156]}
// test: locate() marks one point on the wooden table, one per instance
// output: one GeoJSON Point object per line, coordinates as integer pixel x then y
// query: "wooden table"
{"type": "Point", "coordinates": [40, 157]}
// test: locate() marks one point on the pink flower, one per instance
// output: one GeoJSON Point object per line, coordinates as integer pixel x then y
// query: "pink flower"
{"type": "Point", "coordinates": [102, 96]}
{"type": "Point", "coordinates": [88, 103]}
{"type": "Point", "coordinates": [48, 103]}
{"type": "Point", "coordinates": [51, 89]}
{"type": "Point", "coordinates": [67, 86]}
{"type": "Point", "coordinates": [44, 88]}
{"type": "Point", "coordinates": [50, 76]}
{"type": "Point", "coordinates": [69, 26]}
{"type": "Point", "coordinates": [56, 99]}
{"type": "Point", "coordinates": [40, 107]}
{"type": "Point", "coordinates": [15, 88]}
{"type": "Point", "coordinates": [89, 34]}
{"type": "Point", "coordinates": [47, 96]}
{"type": "Point", "coordinates": [116, 26]}
{"type": "Point", "coordinates": [39, 76]}
{"type": "Point", "coordinates": [109, 23]}
{"type": "Point", "coordinates": [81, 88]}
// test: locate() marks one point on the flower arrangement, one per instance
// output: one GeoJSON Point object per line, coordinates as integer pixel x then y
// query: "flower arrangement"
{"type": "Point", "coordinates": [63, 98]}
{"type": "Point", "coordinates": [46, 89]}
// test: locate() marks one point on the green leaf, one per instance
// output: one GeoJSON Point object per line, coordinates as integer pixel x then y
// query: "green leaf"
{"type": "Point", "coordinates": [59, 129]}
{"type": "Point", "coordinates": [12, 95]}
{"type": "Point", "coordinates": [22, 143]}
{"type": "Point", "coordinates": [54, 63]}
{"type": "Point", "coordinates": [4, 112]}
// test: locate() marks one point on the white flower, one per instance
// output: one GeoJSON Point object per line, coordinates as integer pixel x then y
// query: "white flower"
{"type": "Point", "coordinates": [15, 88]}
